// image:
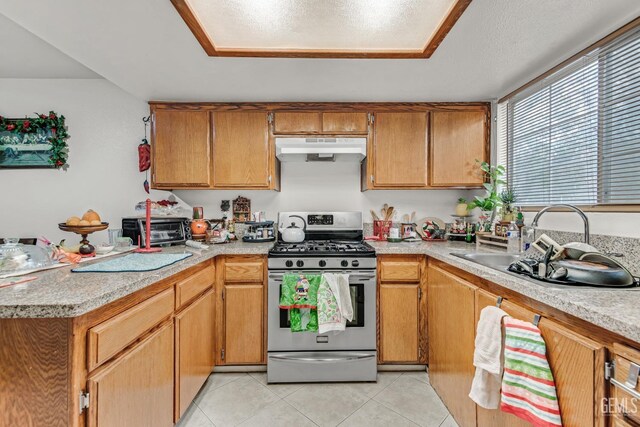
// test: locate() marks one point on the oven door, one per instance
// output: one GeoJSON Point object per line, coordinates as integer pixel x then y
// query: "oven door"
{"type": "Point", "coordinates": [360, 333]}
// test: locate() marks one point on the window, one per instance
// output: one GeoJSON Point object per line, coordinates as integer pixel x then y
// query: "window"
{"type": "Point", "coordinates": [574, 136]}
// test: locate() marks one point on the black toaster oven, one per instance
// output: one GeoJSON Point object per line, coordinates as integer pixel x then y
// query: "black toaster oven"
{"type": "Point", "coordinates": [164, 230]}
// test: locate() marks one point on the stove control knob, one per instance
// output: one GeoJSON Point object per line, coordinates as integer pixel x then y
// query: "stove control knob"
{"type": "Point", "coordinates": [344, 263]}
{"type": "Point", "coordinates": [322, 263]}
{"type": "Point", "coordinates": [300, 263]}
{"type": "Point", "coordinates": [289, 263]}
{"type": "Point", "coordinates": [355, 263]}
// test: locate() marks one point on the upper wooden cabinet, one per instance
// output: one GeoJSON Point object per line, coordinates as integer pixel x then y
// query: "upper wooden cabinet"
{"type": "Point", "coordinates": [297, 123]}
{"type": "Point", "coordinates": [232, 146]}
{"type": "Point", "coordinates": [243, 155]}
{"type": "Point", "coordinates": [458, 139]}
{"type": "Point", "coordinates": [345, 123]}
{"type": "Point", "coordinates": [311, 123]}
{"type": "Point", "coordinates": [200, 149]}
{"type": "Point", "coordinates": [398, 156]}
{"type": "Point", "coordinates": [181, 149]}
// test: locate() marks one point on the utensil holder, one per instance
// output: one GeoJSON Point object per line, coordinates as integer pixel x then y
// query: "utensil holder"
{"type": "Point", "coordinates": [381, 228]}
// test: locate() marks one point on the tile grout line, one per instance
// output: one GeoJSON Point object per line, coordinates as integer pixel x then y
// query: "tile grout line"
{"type": "Point", "coordinates": [396, 412]}
{"type": "Point", "coordinates": [294, 408]}
{"type": "Point", "coordinates": [216, 388]}
{"type": "Point", "coordinates": [266, 388]}
{"type": "Point", "coordinates": [445, 419]}
{"type": "Point", "coordinates": [204, 413]}
{"type": "Point", "coordinates": [369, 399]}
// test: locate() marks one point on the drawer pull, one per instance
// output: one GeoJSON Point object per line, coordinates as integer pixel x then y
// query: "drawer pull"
{"type": "Point", "coordinates": [629, 386]}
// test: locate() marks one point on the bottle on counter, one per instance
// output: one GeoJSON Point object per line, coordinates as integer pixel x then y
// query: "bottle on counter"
{"type": "Point", "coordinates": [513, 238]}
{"type": "Point", "coordinates": [528, 237]}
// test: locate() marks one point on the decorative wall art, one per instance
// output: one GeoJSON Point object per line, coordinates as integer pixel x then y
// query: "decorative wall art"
{"type": "Point", "coordinates": [34, 142]}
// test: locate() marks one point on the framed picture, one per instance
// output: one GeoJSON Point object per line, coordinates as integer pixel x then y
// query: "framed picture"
{"type": "Point", "coordinates": [38, 142]}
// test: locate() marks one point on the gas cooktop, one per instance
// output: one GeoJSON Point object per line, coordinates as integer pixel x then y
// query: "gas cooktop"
{"type": "Point", "coordinates": [324, 248]}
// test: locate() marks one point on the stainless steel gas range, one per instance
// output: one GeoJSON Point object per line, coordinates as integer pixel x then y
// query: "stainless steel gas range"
{"type": "Point", "coordinates": [333, 243]}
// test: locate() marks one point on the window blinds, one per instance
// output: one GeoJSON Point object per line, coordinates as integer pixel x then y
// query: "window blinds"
{"type": "Point", "coordinates": [574, 136]}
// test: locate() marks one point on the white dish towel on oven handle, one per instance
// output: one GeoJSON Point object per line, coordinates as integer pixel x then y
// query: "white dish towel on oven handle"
{"type": "Point", "coordinates": [332, 319]}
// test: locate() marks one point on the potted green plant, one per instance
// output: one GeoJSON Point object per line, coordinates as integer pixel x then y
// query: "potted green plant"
{"type": "Point", "coordinates": [508, 197]}
{"type": "Point", "coordinates": [462, 208]}
{"type": "Point", "coordinates": [491, 201]}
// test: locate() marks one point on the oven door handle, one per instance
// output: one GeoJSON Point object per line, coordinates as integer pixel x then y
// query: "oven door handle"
{"type": "Point", "coordinates": [323, 359]}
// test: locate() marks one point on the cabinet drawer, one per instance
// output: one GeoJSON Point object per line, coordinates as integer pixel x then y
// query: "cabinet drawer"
{"type": "Point", "coordinates": [400, 271]}
{"type": "Point", "coordinates": [626, 406]}
{"type": "Point", "coordinates": [243, 271]}
{"type": "Point", "coordinates": [113, 335]}
{"type": "Point", "coordinates": [193, 286]}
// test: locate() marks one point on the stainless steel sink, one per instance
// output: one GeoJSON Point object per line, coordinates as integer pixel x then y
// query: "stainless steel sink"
{"type": "Point", "coordinates": [496, 261]}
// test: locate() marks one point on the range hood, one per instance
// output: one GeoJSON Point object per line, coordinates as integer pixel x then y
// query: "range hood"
{"type": "Point", "coordinates": [321, 149]}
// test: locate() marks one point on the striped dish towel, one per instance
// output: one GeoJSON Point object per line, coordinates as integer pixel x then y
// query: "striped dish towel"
{"type": "Point", "coordinates": [528, 389]}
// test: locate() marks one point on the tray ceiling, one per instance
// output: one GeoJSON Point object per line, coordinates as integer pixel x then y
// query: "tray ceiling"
{"type": "Point", "coordinates": [321, 28]}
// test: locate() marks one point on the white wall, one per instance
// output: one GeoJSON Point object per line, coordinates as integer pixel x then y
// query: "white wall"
{"type": "Point", "coordinates": [105, 127]}
{"type": "Point", "coordinates": [329, 186]}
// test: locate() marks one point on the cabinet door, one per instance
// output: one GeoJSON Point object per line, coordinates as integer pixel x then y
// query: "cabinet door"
{"type": "Point", "coordinates": [243, 314]}
{"type": "Point", "coordinates": [297, 123]}
{"type": "Point", "coordinates": [242, 151]}
{"type": "Point", "coordinates": [458, 139]}
{"type": "Point", "coordinates": [181, 147]}
{"type": "Point", "coordinates": [194, 350]}
{"type": "Point", "coordinates": [399, 314]}
{"type": "Point", "coordinates": [451, 314]}
{"type": "Point", "coordinates": [399, 155]}
{"type": "Point", "coordinates": [345, 123]}
{"type": "Point", "coordinates": [136, 390]}
{"type": "Point", "coordinates": [577, 363]}
{"type": "Point", "coordinates": [495, 417]}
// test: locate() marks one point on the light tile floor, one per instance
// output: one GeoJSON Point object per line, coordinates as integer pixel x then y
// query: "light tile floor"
{"type": "Point", "coordinates": [397, 399]}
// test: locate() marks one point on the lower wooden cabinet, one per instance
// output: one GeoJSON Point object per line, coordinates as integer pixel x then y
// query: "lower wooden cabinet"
{"type": "Point", "coordinates": [451, 313]}
{"type": "Point", "coordinates": [402, 308]}
{"type": "Point", "coordinates": [194, 350]}
{"type": "Point", "coordinates": [241, 315]}
{"type": "Point", "coordinates": [624, 406]}
{"type": "Point", "coordinates": [577, 363]}
{"type": "Point", "coordinates": [136, 389]}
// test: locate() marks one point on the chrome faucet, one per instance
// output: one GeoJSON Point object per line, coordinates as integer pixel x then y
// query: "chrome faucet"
{"type": "Point", "coordinates": [534, 223]}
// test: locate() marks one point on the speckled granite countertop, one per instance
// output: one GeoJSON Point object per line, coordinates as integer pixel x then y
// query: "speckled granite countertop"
{"type": "Point", "coordinates": [617, 310]}
{"type": "Point", "coordinates": [61, 293]}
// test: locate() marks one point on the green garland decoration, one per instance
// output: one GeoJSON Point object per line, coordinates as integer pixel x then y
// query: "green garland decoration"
{"type": "Point", "coordinates": [52, 122]}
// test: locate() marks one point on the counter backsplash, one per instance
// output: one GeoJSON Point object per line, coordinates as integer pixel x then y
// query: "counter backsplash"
{"type": "Point", "coordinates": [627, 246]}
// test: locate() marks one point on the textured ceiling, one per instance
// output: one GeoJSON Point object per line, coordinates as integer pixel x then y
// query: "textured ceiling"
{"type": "Point", "coordinates": [29, 57]}
{"type": "Point", "coordinates": [357, 25]}
{"type": "Point", "coordinates": [144, 47]}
